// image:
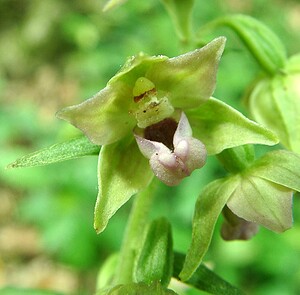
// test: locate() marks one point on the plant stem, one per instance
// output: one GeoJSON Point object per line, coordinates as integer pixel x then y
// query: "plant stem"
{"type": "Point", "coordinates": [134, 233]}
{"type": "Point", "coordinates": [237, 159]}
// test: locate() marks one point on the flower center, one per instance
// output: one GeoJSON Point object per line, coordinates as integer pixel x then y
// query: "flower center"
{"type": "Point", "coordinates": [162, 131]}
{"type": "Point", "coordinates": [150, 108]}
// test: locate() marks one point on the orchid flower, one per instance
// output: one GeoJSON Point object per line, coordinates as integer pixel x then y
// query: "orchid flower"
{"type": "Point", "coordinates": [159, 109]}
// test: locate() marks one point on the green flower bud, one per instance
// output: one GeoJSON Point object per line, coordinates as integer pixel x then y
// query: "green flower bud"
{"type": "Point", "coordinates": [275, 103]}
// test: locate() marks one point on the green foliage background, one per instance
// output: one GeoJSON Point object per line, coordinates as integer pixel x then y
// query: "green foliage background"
{"type": "Point", "coordinates": [55, 53]}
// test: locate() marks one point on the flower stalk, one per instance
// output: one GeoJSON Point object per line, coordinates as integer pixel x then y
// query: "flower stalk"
{"type": "Point", "coordinates": [135, 229]}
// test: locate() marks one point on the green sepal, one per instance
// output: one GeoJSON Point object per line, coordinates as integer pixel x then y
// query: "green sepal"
{"type": "Point", "coordinates": [264, 202]}
{"type": "Point", "coordinates": [180, 12]}
{"type": "Point", "coordinates": [208, 207]}
{"type": "Point", "coordinates": [220, 127]}
{"type": "Point", "coordinates": [204, 279]}
{"type": "Point", "coordinates": [155, 262]}
{"type": "Point", "coordinates": [138, 289]}
{"type": "Point", "coordinates": [71, 149]}
{"type": "Point", "coordinates": [262, 42]}
{"type": "Point", "coordinates": [280, 166]}
{"type": "Point", "coordinates": [122, 172]}
{"type": "Point", "coordinates": [102, 118]}
{"type": "Point", "coordinates": [265, 193]}
{"type": "Point", "coordinates": [195, 71]}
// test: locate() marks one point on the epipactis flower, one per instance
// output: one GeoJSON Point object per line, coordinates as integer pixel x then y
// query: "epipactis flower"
{"type": "Point", "coordinates": [149, 91]}
{"type": "Point", "coordinates": [259, 194]}
{"type": "Point", "coordinates": [143, 114]}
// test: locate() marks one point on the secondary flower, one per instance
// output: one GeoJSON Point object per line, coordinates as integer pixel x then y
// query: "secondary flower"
{"type": "Point", "coordinates": [259, 194]}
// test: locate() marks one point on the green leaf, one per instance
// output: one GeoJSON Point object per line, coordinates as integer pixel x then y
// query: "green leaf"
{"type": "Point", "coordinates": [181, 13]}
{"type": "Point", "coordinates": [281, 167]}
{"type": "Point", "coordinates": [264, 202]}
{"type": "Point", "coordinates": [155, 262]}
{"type": "Point", "coordinates": [122, 172]}
{"type": "Point", "coordinates": [263, 44]}
{"type": "Point", "coordinates": [220, 127]}
{"type": "Point", "coordinates": [72, 149]}
{"type": "Point", "coordinates": [205, 279]}
{"type": "Point", "coordinates": [207, 210]}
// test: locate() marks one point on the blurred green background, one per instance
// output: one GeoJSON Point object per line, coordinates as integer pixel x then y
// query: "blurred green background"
{"type": "Point", "coordinates": [55, 53]}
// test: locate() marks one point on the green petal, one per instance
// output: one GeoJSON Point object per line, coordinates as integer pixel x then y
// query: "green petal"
{"type": "Point", "coordinates": [189, 79]}
{"type": "Point", "coordinates": [281, 167]}
{"type": "Point", "coordinates": [220, 126]}
{"type": "Point", "coordinates": [123, 171]}
{"type": "Point", "coordinates": [208, 208]}
{"type": "Point", "coordinates": [71, 149]}
{"type": "Point", "coordinates": [103, 118]}
{"type": "Point", "coordinates": [263, 202]}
